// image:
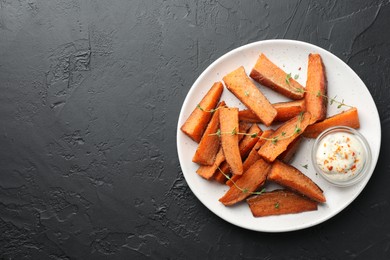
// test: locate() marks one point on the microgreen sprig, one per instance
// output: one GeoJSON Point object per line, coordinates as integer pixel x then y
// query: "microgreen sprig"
{"type": "Point", "coordinates": [273, 140]}
{"type": "Point", "coordinates": [208, 111]}
{"type": "Point", "coordinates": [331, 100]}
{"type": "Point", "coordinates": [244, 190]}
{"type": "Point", "coordinates": [288, 77]}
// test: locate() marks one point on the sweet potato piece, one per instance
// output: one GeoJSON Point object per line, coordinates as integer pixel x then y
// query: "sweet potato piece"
{"type": "Point", "coordinates": [249, 141]}
{"type": "Point", "coordinates": [243, 88]}
{"type": "Point", "coordinates": [252, 157]}
{"type": "Point", "coordinates": [244, 127]}
{"type": "Point", "coordinates": [268, 74]}
{"type": "Point", "coordinates": [349, 118]}
{"type": "Point", "coordinates": [290, 177]}
{"type": "Point", "coordinates": [228, 120]}
{"type": "Point", "coordinates": [209, 144]}
{"type": "Point", "coordinates": [245, 145]}
{"type": "Point", "coordinates": [283, 136]}
{"type": "Point", "coordinates": [285, 111]}
{"type": "Point", "coordinates": [316, 83]}
{"type": "Point", "coordinates": [279, 202]}
{"type": "Point", "coordinates": [207, 171]}
{"type": "Point", "coordinates": [247, 115]}
{"type": "Point", "coordinates": [263, 138]}
{"type": "Point", "coordinates": [250, 181]}
{"type": "Point", "coordinates": [197, 122]}
{"type": "Point", "coordinates": [292, 148]}
{"type": "Point", "coordinates": [218, 176]}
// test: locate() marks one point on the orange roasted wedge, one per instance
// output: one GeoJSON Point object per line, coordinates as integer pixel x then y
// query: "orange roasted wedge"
{"type": "Point", "coordinates": [243, 88]}
{"type": "Point", "coordinates": [268, 74]}
{"type": "Point", "coordinates": [285, 111]}
{"type": "Point", "coordinates": [209, 144]}
{"type": "Point", "coordinates": [290, 177]}
{"type": "Point", "coordinates": [224, 167]}
{"type": "Point", "coordinates": [207, 171]}
{"type": "Point", "coordinates": [278, 142]}
{"type": "Point", "coordinates": [349, 118]}
{"type": "Point", "coordinates": [249, 182]}
{"type": "Point", "coordinates": [228, 120]}
{"type": "Point", "coordinates": [197, 122]}
{"type": "Point", "coordinates": [279, 202]}
{"type": "Point", "coordinates": [292, 148]}
{"type": "Point", "coordinates": [316, 88]}
{"type": "Point", "coordinates": [249, 140]}
{"type": "Point", "coordinates": [252, 157]}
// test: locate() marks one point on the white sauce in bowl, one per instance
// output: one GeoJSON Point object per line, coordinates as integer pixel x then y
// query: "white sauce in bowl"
{"type": "Point", "coordinates": [340, 156]}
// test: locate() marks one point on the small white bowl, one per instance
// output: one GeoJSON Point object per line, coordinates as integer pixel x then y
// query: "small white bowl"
{"type": "Point", "coordinates": [357, 176]}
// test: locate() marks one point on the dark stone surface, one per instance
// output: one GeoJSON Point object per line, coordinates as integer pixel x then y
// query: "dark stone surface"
{"type": "Point", "coordinates": [90, 96]}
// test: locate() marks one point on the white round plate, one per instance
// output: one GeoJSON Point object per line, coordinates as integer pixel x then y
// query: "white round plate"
{"type": "Point", "coordinates": [291, 56]}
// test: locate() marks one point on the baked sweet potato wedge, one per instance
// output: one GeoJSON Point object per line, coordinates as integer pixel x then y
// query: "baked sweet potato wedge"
{"type": "Point", "coordinates": [288, 110]}
{"type": "Point", "coordinates": [285, 111]}
{"type": "Point", "coordinates": [279, 202]}
{"type": "Point", "coordinates": [245, 90]}
{"type": "Point", "coordinates": [316, 88]}
{"type": "Point", "coordinates": [249, 140]}
{"type": "Point", "coordinates": [247, 115]}
{"type": "Point", "coordinates": [246, 144]}
{"type": "Point", "coordinates": [252, 157]}
{"type": "Point", "coordinates": [207, 171]}
{"type": "Point", "coordinates": [278, 142]}
{"type": "Point", "coordinates": [209, 144]}
{"type": "Point", "coordinates": [349, 118]}
{"type": "Point", "coordinates": [221, 173]}
{"type": "Point", "coordinates": [290, 177]}
{"type": "Point", "coordinates": [292, 148]}
{"type": "Point", "coordinates": [249, 182]}
{"type": "Point", "coordinates": [224, 167]}
{"type": "Point", "coordinates": [197, 122]}
{"type": "Point", "coordinates": [228, 120]}
{"type": "Point", "coordinates": [268, 74]}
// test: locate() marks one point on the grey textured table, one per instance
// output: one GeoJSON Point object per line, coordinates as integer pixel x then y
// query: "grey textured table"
{"type": "Point", "coordinates": [90, 96]}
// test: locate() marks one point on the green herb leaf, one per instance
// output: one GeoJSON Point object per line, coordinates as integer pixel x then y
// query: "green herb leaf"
{"type": "Point", "coordinates": [259, 192]}
{"type": "Point", "coordinates": [254, 135]}
{"type": "Point", "coordinates": [198, 106]}
{"type": "Point", "coordinates": [305, 166]}
{"type": "Point", "coordinates": [274, 140]}
{"type": "Point", "coordinates": [234, 131]}
{"type": "Point", "coordinates": [218, 133]}
{"type": "Point", "coordinates": [296, 76]}
{"type": "Point", "coordinates": [246, 93]}
{"type": "Point", "coordinates": [333, 100]}
{"type": "Point", "coordinates": [288, 77]}
{"type": "Point", "coordinates": [276, 205]}
{"type": "Point", "coordinates": [283, 133]}
{"type": "Point", "coordinates": [319, 93]}
{"type": "Point", "coordinates": [297, 130]}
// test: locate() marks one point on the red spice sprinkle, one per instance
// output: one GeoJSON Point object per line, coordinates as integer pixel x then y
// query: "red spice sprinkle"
{"type": "Point", "coordinates": [330, 168]}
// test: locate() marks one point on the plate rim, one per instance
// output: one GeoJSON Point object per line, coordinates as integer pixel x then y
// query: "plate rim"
{"type": "Point", "coordinates": [259, 43]}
